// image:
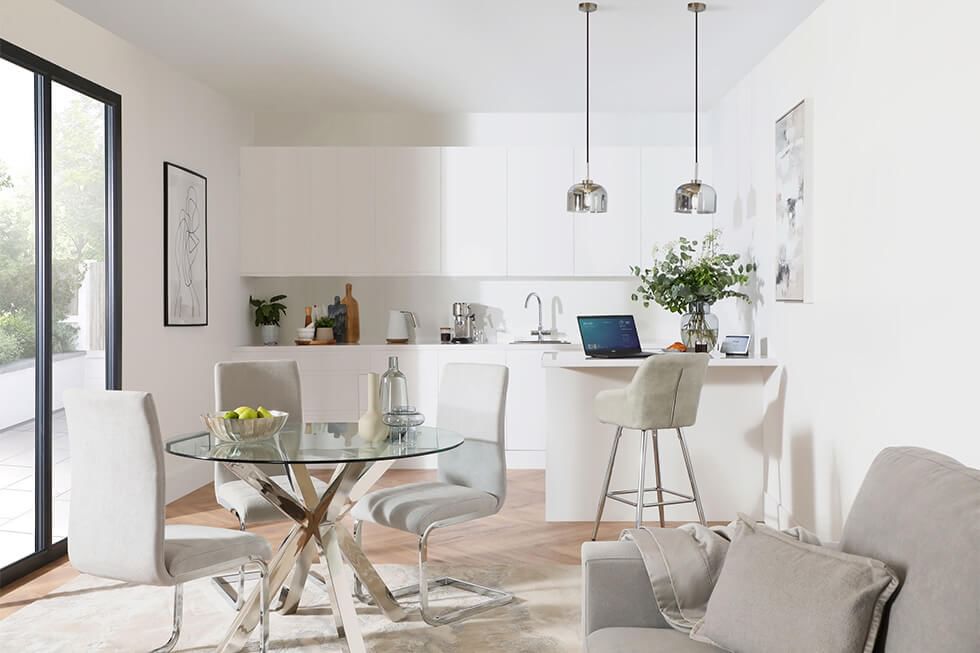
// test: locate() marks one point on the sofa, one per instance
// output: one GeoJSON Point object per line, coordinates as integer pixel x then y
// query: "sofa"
{"type": "Point", "coordinates": [918, 511]}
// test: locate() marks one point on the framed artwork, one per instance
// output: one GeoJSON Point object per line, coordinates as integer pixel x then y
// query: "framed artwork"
{"type": "Point", "coordinates": [791, 205]}
{"type": "Point", "coordinates": [185, 247]}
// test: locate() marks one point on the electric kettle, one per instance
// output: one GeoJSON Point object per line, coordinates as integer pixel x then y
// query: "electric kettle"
{"type": "Point", "coordinates": [398, 326]}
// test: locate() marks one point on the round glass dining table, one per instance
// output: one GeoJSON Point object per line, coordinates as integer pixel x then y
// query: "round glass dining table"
{"type": "Point", "coordinates": [317, 529]}
{"type": "Point", "coordinates": [317, 443]}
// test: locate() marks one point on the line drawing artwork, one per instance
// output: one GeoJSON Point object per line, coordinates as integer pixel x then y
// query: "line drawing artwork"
{"type": "Point", "coordinates": [185, 247]}
{"type": "Point", "coordinates": [185, 253]}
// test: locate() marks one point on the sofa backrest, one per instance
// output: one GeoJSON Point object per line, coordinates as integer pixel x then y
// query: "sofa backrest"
{"type": "Point", "coordinates": [918, 511]}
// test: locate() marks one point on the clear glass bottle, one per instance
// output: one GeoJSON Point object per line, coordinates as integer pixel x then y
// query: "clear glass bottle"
{"type": "Point", "coordinates": [394, 388]}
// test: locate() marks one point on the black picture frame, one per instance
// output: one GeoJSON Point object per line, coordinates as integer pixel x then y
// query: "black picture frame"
{"type": "Point", "coordinates": [185, 247]}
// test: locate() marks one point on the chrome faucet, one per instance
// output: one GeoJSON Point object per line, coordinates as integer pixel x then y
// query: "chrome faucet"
{"type": "Point", "coordinates": [540, 331]}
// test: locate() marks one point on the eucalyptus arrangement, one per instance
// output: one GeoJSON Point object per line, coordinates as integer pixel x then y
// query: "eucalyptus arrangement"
{"type": "Point", "coordinates": [687, 277]}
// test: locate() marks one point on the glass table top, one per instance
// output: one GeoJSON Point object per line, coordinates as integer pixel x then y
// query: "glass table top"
{"type": "Point", "coordinates": [316, 442]}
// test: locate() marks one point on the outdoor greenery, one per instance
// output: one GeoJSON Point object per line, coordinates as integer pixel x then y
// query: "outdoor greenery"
{"type": "Point", "coordinates": [78, 212]}
{"type": "Point", "coordinates": [684, 273]}
{"type": "Point", "coordinates": [268, 312]}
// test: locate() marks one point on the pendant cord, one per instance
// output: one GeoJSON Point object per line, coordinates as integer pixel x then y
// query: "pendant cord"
{"type": "Point", "coordinates": [696, 98]}
{"type": "Point", "coordinates": [587, 161]}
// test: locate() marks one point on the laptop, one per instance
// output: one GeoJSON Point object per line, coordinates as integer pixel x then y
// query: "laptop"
{"type": "Point", "coordinates": [610, 336]}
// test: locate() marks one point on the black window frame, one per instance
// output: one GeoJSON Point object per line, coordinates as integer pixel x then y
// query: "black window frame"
{"type": "Point", "coordinates": [45, 73]}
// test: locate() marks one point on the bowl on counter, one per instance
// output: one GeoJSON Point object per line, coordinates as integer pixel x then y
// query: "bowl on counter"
{"type": "Point", "coordinates": [305, 333]}
{"type": "Point", "coordinates": [244, 430]}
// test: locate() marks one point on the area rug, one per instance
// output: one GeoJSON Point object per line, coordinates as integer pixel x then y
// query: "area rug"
{"type": "Point", "coordinates": [91, 614]}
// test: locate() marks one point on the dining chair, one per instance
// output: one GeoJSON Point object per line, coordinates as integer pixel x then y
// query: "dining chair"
{"type": "Point", "coordinates": [472, 483]}
{"type": "Point", "coordinates": [276, 386]}
{"type": "Point", "coordinates": [116, 527]}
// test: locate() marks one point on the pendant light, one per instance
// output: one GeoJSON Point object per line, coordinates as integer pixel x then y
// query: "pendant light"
{"type": "Point", "coordinates": [695, 196]}
{"type": "Point", "coordinates": [587, 196]}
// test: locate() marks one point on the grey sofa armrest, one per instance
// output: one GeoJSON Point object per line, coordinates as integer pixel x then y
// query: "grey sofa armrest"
{"type": "Point", "coordinates": [616, 589]}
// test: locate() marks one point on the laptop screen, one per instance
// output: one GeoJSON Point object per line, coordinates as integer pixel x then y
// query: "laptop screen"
{"type": "Point", "coordinates": [608, 333]}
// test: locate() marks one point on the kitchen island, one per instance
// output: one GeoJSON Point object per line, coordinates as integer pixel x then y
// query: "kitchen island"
{"type": "Point", "coordinates": [726, 443]}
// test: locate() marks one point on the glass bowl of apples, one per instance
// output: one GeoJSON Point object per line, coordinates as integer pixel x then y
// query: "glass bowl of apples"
{"type": "Point", "coordinates": [245, 424]}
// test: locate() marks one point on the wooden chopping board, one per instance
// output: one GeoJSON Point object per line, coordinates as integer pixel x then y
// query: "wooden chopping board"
{"type": "Point", "coordinates": [353, 316]}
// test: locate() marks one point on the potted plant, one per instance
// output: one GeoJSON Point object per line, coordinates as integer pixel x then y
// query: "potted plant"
{"type": "Point", "coordinates": [324, 328]}
{"type": "Point", "coordinates": [687, 278]}
{"type": "Point", "coordinates": [267, 315]}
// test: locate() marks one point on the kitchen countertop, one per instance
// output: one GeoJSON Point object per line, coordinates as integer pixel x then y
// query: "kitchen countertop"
{"type": "Point", "coordinates": [576, 359]}
{"type": "Point", "coordinates": [415, 346]}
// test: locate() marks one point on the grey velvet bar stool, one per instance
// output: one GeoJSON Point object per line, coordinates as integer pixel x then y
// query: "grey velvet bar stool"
{"type": "Point", "coordinates": [664, 394]}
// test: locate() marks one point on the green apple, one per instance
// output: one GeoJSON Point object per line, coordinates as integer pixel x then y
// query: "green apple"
{"type": "Point", "coordinates": [230, 414]}
{"type": "Point", "coordinates": [246, 412]}
{"type": "Point", "coordinates": [263, 412]}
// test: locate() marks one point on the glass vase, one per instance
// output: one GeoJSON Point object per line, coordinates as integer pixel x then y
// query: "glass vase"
{"type": "Point", "coordinates": [394, 388]}
{"type": "Point", "coordinates": [699, 327]}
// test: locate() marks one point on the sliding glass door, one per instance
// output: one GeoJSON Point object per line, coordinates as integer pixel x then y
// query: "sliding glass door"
{"type": "Point", "coordinates": [59, 288]}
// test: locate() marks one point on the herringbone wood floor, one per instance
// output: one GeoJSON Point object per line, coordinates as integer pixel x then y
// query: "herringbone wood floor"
{"type": "Point", "coordinates": [516, 535]}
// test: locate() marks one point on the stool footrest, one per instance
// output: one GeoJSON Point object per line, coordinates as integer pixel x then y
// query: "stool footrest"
{"type": "Point", "coordinates": [682, 498]}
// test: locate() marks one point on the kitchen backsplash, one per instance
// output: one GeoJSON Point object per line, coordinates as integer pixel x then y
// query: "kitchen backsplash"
{"type": "Point", "coordinates": [498, 303]}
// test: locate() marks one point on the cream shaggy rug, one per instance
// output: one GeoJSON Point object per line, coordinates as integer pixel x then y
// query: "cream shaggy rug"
{"type": "Point", "coordinates": [91, 614]}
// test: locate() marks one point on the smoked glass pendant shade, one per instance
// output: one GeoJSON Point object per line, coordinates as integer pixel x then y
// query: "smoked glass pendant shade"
{"type": "Point", "coordinates": [695, 197]}
{"type": "Point", "coordinates": [586, 197]}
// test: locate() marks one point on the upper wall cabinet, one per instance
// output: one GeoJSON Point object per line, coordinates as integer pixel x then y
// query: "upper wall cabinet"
{"type": "Point", "coordinates": [342, 228]}
{"type": "Point", "coordinates": [275, 204]}
{"type": "Point", "coordinates": [539, 229]}
{"type": "Point", "coordinates": [407, 210]}
{"type": "Point", "coordinates": [474, 211]}
{"type": "Point", "coordinates": [606, 244]}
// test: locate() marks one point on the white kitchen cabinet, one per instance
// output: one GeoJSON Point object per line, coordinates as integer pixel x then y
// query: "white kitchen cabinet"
{"type": "Point", "coordinates": [407, 210]}
{"type": "Point", "coordinates": [606, 244]}
{"type": "Point", "coordinates": [539, 229]}
{"type": "Point", "coordinates": [474, 213]}
{"type": "Point", "coordinates": [525, 401]}
{"type": "Point", "coordinates": [275, 207]}
{"type": "Point", "coordinates": [664, 169]}
{"type": "Point", "coordinates": [342, 231]}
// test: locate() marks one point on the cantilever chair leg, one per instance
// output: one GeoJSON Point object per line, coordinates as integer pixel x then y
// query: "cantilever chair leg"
{"type": "Point", "coordinates": [178, 619]}
{"type": "Point", "coordinates": [496, 598]}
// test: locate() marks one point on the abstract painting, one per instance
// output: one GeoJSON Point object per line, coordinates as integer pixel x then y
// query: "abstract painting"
{"type": "Point", "coordinates": [185, 242]}
{"type": "Point", "coordinates": [791, 206]}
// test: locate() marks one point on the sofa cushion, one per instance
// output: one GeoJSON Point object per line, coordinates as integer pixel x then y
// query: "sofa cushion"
{"type": "Point", "coordinates": [643, 640]}
{"type": "Point", "coordinates": [919, 512]}
{"type": "Point", "coordinates": [777, 594]}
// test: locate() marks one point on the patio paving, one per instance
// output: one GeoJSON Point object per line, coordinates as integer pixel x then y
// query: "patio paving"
{"type": "Point", "coordinates": [17, 487]}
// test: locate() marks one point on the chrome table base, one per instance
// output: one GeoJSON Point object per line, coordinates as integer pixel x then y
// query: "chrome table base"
{"type": "Point", "coordinates": [316, 530]}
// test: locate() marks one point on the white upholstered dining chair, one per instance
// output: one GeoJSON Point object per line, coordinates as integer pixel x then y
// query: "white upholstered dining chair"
{"type": "Point", "coordinates": [472, 482]}
{"type": "Point", "coordinates": [116, 527]}
{"type": "Point", "coordinates": [276, 386]}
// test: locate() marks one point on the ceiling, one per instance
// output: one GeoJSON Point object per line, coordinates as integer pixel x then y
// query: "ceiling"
{"type": "Point", "coordinates": [452, 55]}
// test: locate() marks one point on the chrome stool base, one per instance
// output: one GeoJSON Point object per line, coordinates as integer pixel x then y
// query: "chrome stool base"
{"type": "Point", "coordinates": [639, 502]}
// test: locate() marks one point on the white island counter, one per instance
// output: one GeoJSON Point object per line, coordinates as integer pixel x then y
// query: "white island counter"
{"type": "Point", "coordinates": [726, 443]}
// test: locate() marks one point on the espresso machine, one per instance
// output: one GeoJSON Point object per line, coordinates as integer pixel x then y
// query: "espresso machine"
{"type": "Point", "coordinates": [464, 323]}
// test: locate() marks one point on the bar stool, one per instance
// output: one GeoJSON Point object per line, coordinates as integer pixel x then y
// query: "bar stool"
{"type": "Point", "coordinates": [664, 394]}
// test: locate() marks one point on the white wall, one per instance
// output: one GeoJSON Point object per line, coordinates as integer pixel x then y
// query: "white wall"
{"type": "Point", "coordinates": [165, 116]}
{"type": "Point", "coordinates": [462, 129]}
{"type": "Point", "coordinates": [885, 353]}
